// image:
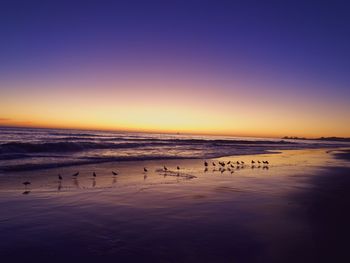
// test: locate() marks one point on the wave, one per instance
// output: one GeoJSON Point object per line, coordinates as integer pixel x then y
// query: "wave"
{"type": "Point", "coordinates": [38, 166]}
{"type": "Point", "coordinates": [17, 147]}
{"type": "Point", "coordinates": [74, 146]}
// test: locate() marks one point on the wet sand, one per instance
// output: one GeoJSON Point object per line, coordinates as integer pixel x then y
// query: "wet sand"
{"type": "Point", "coordinates": [294, 209]}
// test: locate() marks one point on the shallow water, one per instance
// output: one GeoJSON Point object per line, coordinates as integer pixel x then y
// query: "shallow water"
{"type": "Point", "coordinates": [190, 215]}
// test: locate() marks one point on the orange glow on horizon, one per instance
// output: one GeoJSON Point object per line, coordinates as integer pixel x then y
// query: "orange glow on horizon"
{"type": "Point", "coordinates": [179, 108]}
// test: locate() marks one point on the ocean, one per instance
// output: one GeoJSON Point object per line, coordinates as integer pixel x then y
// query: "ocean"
{"type": "Point", "coordinates": [29, 149]}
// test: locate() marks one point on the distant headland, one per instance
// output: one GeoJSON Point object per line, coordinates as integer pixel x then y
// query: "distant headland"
{"type": "Point", "coordinates": [337, 139]}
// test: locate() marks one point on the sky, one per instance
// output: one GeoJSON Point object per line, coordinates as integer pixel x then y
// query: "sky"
{"type": "Point", "coordinates": [242, 68]}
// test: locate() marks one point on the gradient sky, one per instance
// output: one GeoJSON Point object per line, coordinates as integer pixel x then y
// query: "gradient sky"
{"type": "Point", "coordinates": [254, 68]}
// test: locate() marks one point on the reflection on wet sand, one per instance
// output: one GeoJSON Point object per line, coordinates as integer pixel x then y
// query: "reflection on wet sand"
{"type": "Point", "coordinates": [160, 214]}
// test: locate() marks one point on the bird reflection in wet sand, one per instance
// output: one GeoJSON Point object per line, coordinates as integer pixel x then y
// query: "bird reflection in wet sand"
{"type": "Point", "coordinates": [26, 192]}
{"type": "Point", "coordinates": [145, 177]}
{"type": "Point", "coordinates": [206, 169]}
{"type": "Point", "coordinates": [59, 186]}
{"type": "Point", "coordinates": [93, 182]}
{"type": "Point", "coordinates": [76, 182]}
{"type": "Point", "coordinates": [114, 180]}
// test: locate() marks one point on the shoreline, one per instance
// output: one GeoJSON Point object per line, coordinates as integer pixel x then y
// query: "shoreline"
{"type": "Point", "coordinates": [55, 165]}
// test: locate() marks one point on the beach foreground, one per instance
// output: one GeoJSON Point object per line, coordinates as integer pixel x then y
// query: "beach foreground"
{"type": "Point", "coordinates": [294, 209]}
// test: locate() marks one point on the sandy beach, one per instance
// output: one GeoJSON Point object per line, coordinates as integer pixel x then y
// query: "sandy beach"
{"type": "Point", "coordinates": [293, 209]}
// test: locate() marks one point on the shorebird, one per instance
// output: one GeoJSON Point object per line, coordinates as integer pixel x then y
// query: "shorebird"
{"type": "Point", "coordinates": [228, 162]}
{"type": "Point", "coordinates": [60, 177]}
{"type": "Point", "coordinates": [242, 162]}
{"type": "Point", "coordinates": [253, 162]}
{"type": "Point", "coordinates": [145, 169]}
{"type": "Point", "coordinates": [165, 169]}
{"type": "Point", "coordinates": [222, 164]}
{"type": "Point", "coordinates": [205, 163]}
{"type": "Point", "coordinates": [238, 162]}
{"type": "Point", "coordinates": [259, 161]}
{"type": "Point", "coordinates": [76, 174]}
{"type": "Point", "coordinates": [267, 162]}
{"type": "Point", "coordinates": [232, 166]}
{"type": "Point", "coordinates": [114, 173]}
{"type": "Point", "coordinates": [94, 174]}
{"type": "Point", "coordinates": [178, 167]}
{"type": "Point", "coordinates": [213, 164]}
{"type": "Point", "coordinates": [26, 183]}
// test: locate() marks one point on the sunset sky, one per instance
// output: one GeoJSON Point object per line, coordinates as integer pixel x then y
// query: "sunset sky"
{"type": "Point", "coordinates": [244, 68]}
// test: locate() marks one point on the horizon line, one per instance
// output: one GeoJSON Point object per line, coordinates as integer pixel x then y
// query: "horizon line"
{"type": "Point", "coordinates": [164, 132]}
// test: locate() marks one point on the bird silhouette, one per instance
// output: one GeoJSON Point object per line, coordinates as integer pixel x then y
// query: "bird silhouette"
{"type": "Point", "coordinates": [205, 163]}
{"type": "Point", "coordinates": [145, 169]}
{"type": "Point", "coordinates": [165, 169]}
{"type": "Point", "coordinates": [94, 174]}
{"type": "Point", "coordinates": [75, 174]}
{"type": "Point", "coordinates": [253, 162]}
{"type": "Point", "coordinates": [214, 164]}
{"type": "Point", "coordinates": [114, 173]}
{"type": "Point", "coordinates": [60, 177]}
{"type": "Point", "coordinates": [178, 168]}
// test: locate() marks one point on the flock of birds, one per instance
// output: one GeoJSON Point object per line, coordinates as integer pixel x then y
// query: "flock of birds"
{"type": "Point", "coordinates": [229, 166]}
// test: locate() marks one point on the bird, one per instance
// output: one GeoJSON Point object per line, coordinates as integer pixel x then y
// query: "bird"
{"type": "Point", "coordinates": [259, 161]}
{"type": "Point", "coordinates": [165, 169]}
{"type": "Point", "coordinates": [242, 162]}
{"type": "Point", "coordinates": [253, 162]}
{"type": "Point", "coordinates": [114, 173]}
{"type": "Point", "coordinates": [145, 169]}
{"type": "Point", "coordinates": [205, 163]}
{"type": "Point", "coordinates": [213, 164]}
{"type": "Point", "coordinates": [26, 183]}
{"type": "Point", "coordinates": [94, 174]}
{"type": "Point", "coordinates": [178, 168]}
{"type": "Point", "coordinates": [76, 174]}
{"type": "Point", "coordinates": [232, 166]}
{"type": "Point", "coordinates": [228, 162]}
{"type": "Point", "coordinates": [60, 177]}
{"type": "Point", "coordinates": [238, 162]}
{"type": "Point", "coordinates": [267, 162]}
